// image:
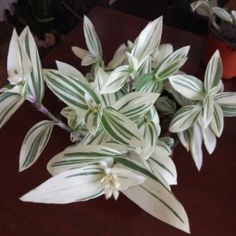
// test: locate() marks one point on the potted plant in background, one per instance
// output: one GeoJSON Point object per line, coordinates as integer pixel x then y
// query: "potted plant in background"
{"type": "Point", "coordinates": [112, 116]}
{"type": "Point", "coordinates": [222, 34]}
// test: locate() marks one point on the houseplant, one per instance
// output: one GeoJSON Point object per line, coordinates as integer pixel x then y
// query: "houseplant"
{"type": "Point", "coordinates": [112, 119]}
{"type": "Point", "coordinates": [222, 33]}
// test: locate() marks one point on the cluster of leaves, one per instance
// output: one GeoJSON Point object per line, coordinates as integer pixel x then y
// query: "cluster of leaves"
{"type": "Point", "coordinates": [112, 115]}
{"type": "Point", "coordinates": [223, 21]}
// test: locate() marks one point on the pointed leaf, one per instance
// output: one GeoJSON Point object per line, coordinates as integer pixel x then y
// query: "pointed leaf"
{"type": "Point", "coordinates": [92, 39]}
{"type": "Point", "coordinates": [121, 128]}
{"type": "Point", "coordinates": [116, 80]}
{"type": "Point", "coordinates": [34, 143]}
{"type": "Point", "coordinates": [217, 122]}
{"type": "Point", "coordinates": [70, 186]}
{"type": "Point", "coordinates": [160, 203]}
{"type": "Point", "coordinates": [184, 118]}
{"type": "Point", "coordinates": [35, 81]}
{"type": "Point", "coordinates": [136, 104]}
{"type": "Point", "coordinates": [9, 103]}
{"type": "Point", "coordinates": [213, 73]}
{"type": "Point", "coordinates": [189, 86]}
{"type": "Point", "coordinates": [148, 40]}
{"type": "Point", "coordinates": [78, 156]}
{"type": "Point", "coordinates": [209, 139]}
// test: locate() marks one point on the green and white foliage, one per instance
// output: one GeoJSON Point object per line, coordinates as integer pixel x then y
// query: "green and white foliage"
{"type": "Point", "coordinates": [210, 9]}
{"type": "Point", "coordinates": [202, 122]}
{"type": "Point", "coordinates": [112, 116]}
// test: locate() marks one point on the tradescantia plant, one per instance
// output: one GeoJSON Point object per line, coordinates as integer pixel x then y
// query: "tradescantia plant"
{"type": "Point", "coordinates": [112, 116]}
{"type": "Point", "coordinates": [222, 20]}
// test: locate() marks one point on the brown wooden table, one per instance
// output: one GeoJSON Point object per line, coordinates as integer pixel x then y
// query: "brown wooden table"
{"type": "Point", "coordinates": [208, 196]}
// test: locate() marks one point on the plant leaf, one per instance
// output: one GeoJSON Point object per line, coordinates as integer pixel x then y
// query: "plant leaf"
{"type": "Point", "coordinates": [68, 69]}
{"type": "Point", "coordinates": [189, 86]}
{"type": "Point", "coordinates": [70, 186]}
{"type": "Point", "coordinates": [209, 139]}
{"type": "Point", "coordinates": [136, 104]}
{"type": "Point", "coordinates": [172, 63]}
{"type": "Point", "coordinates": [92, 39]}
{"type": "Point", "coordinates": [121, 128]}
{"type": "Point", "coordinates": [213, 73]}
{"type": "Point", "coordinates": [222, 14]}
{"type": "Point", "coordinates": [161, 162]}
{"type": "Point", "coordinates": [156, 200]}
{"type": "Point", "coordinates": [227, 102]}
{"type": "Point", "coordinates": [34, 143]}
{"type": "Point", "coordinates": [35, 80]}
{"type": "Point", "coordinates": [196, 145]}
{"type": "Point", "coordinates": [116, 80]}
{"type": "Point", "coordinates": [217, 122]}
{"type": "Point", "coordinates": [184, 118]}
{"type": "Point", "coordinates": [78, 156]}
{"type": "Point", "coordinates": [148, 40]}
{"type": "Point", "coordinates": [9, 103]}
{"type": "Point", "coordinates": [69, 89]}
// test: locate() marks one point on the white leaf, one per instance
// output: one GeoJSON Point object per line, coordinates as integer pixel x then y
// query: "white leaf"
{"type": "Point", "coordinates": [80, 52]}
{"type": "Point", "coordinates": [184, 118]}
{"type": "Point", "coordinates": [209, 139]}
{"type": "Point", "coordinates": [196, 146]}
{"type": "Point", "coordinates": [92, 39]}
{"type": "Point", "coordinates": [34, 143]}
{"type": "Point", "coordinates": [70, 186]}
{"type": "Point", "coordinates": [188, 86]}
{"type": "Point", "coordinates": [156, 200]}
{"type": "Point", "coordinates": [148, 40]}
{"type": "Point", "coordinates": [116, 80]}
{"type": "Point", "coordinates": [121, 128]}
{"type": "Point", "coordinates": [136, 104]}
{"type": "Point", "coordinates": [217, 122]}
{"type": "Point", "coordinates": [9, 103]}
{"type": "Point", "coordinates": [222, 14]}
{"type": "Point", "coordinates": [213, 73]}
{"type": "Point", "coordinates": [68, 69]}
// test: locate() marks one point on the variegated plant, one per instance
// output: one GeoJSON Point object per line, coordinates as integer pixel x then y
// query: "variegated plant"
{"type": "Point", "coordinates": [112, 115]}
{"type": "Point", "coordinates": [221, 19]}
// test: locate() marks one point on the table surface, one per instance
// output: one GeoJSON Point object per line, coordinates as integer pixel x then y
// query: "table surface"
{"type": "Point", "coordinates": [208, 196]}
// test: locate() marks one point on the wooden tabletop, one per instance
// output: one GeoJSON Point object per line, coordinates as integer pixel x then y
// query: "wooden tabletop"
{"type": "Point", "coordinates": [208, 196]}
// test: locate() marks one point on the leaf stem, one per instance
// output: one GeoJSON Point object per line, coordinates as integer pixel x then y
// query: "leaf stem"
{"type": "Point", "coordinates": [47, 113]}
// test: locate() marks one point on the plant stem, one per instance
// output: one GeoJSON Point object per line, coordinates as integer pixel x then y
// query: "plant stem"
{"type": "Point", "coordinates": [47, 113]}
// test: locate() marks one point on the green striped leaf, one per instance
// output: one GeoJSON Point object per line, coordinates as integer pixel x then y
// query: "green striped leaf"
{"type": "Point", "coordinates": [150, 133]}
{"type": "Point", "coordinates": [121, 128]}
{"type": "Point", "coordinates": [209, 139]}
{"type": "Point", "coordinates": [116, 80]}
{"type": "Point", "coordinates": [100, 137]}
{"type": "Point", "coordinates": [160, 162]}
{"type": "Point", "coordinates": [172, 63]}
{"type": "Point", "coordinates": [189, 86]}
{"type": "Point", "coordinates": [185, 118]}
{"type": "Point", "coordinates": [91, 38]}
{"type": "Point", "coordinates": [148, 83]}
{"type": "Point", "coordinates": [71, 90]}
{"type": "Point", "coordinates": [93, 119]}
{"type": "Point", "coordinates": [213, 73]}
{"type": "Point", "coordinates": [208, 110]}
{"type": "Point", "coordinates": [34, 143]}
{"type": "Point", "coordinates": [184, 138]}
{"type": "Point", "coordinates": [9, 103]}
{"type": "Point", "coordinates": [68, 69]}
{"type": "Point", "coordinates": [148, 40]}
{"type": "Point", "coordinates": [70, 186]}
{"type": "Point", "coordinates": [166, 106]}
{"type": "Point", "coordinates": [222, 14]}
{"type": "Point", "coordinates": [136, 104]}
{"type": "Point", "coordinates": [227, 102]}
{"type": "Point", "coordinates": [35, 81]}
{"type": "Point", "coordinates": [196, 145]}
{"type": "Point", "coordinates": [156, 200]}
{"type": "Point", "coordinates": [100, 78]}
{"type": "Point", "coordinates": [78, 156]}
{"type": "Point", "coordinates": [217, 122]}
